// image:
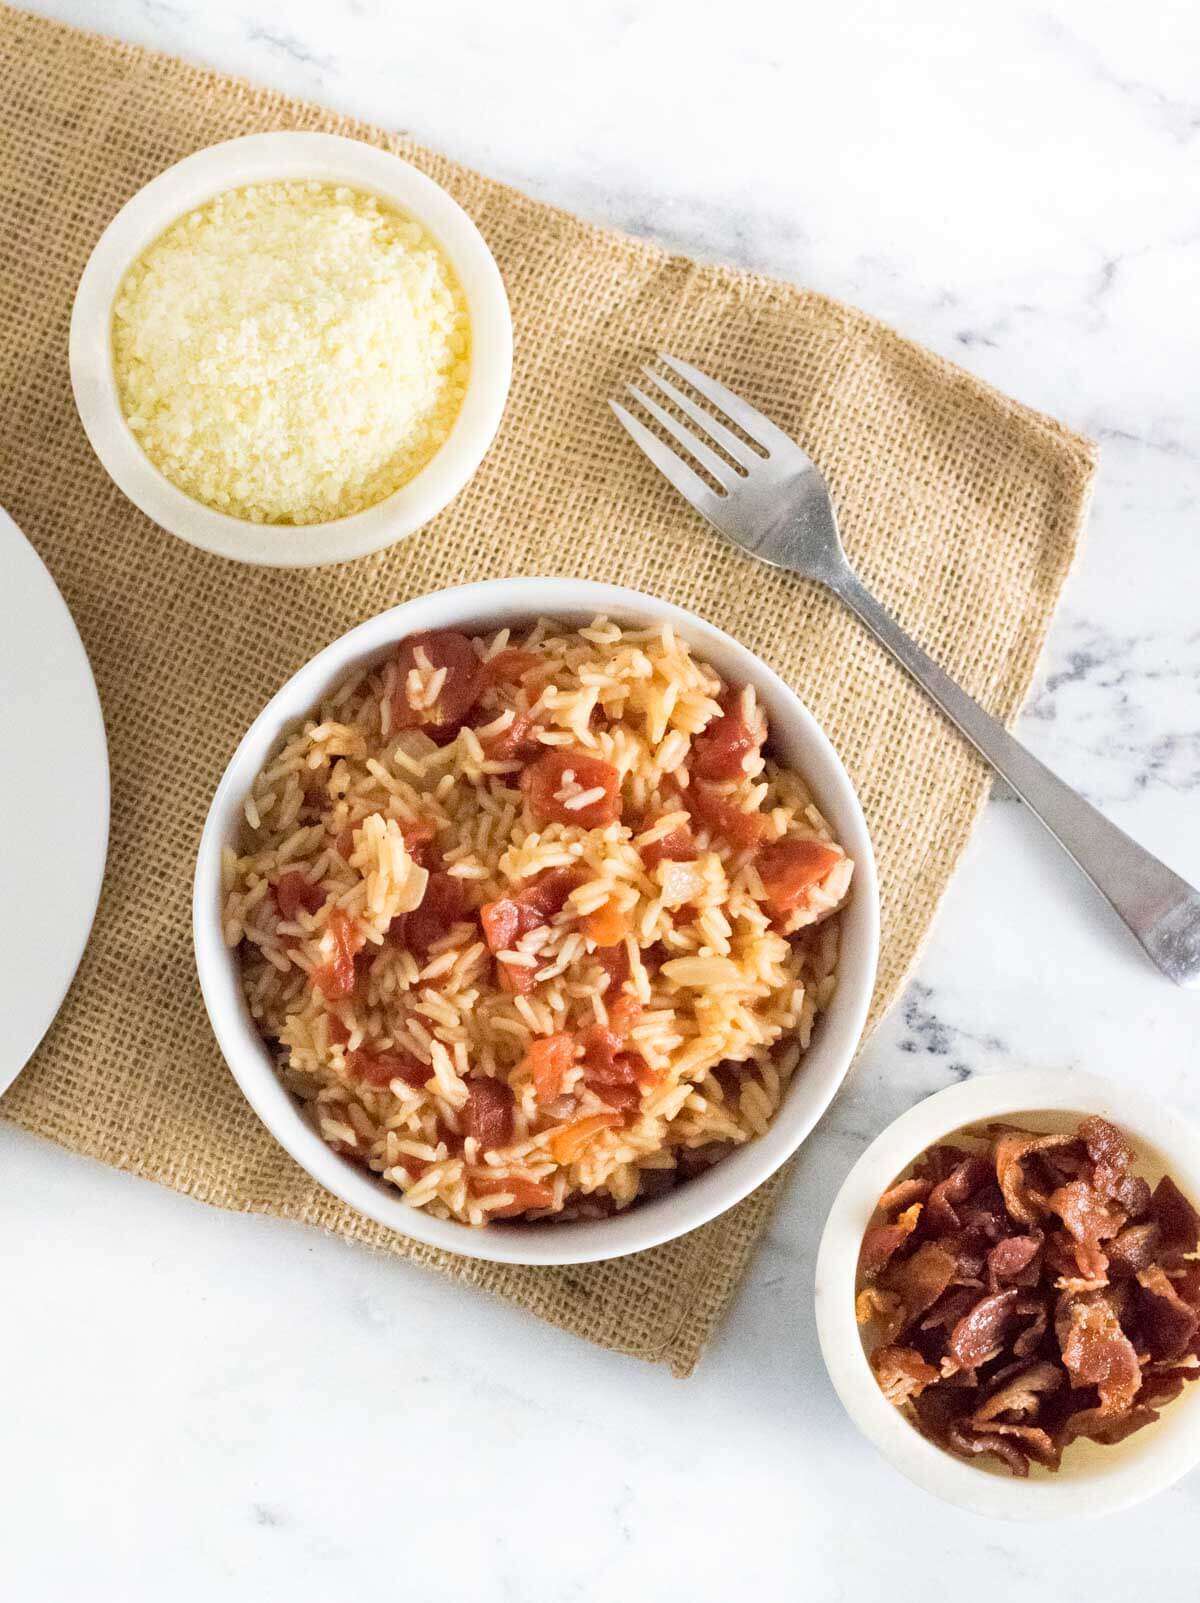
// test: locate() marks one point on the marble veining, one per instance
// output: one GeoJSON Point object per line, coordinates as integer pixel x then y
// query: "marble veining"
{"type": "Point", "coordinates": [264, 1412]}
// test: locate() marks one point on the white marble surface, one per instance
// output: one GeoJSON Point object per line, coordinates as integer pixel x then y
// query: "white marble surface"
{"type": "Point", "coordinates": [209, 1406]}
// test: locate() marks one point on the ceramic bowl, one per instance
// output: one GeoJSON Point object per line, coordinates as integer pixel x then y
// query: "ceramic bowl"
{"type": "Point", "coordinates": [1092, 1479]}
{"type": "Point", "coordinates": [799, 741]}
{"type": "Point", "coordinates": [262, 158]}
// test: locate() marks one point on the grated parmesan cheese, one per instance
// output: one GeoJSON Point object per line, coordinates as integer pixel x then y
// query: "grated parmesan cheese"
{"type": "Point", "coordinates": [291, 352]}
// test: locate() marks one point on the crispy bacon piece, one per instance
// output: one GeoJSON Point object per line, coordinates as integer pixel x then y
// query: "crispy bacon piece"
{"type": "Point", "coordinates": [488, 1112]}
{"type": "Point", "coordinates": [1010, 1154]}
{"type": "Point", "coordinates": [1090, 1218]}
{"type": "Point", "coordinates": [920, 1280]}
{"type": "Point", "coordinates": [965, 1178]}
{"type": "Point", "coordinates": [1110, 1154]}
{"type": "Point", "coordinates": [936, 1163]}
{"type": "Point", "coordinates": [1009, 1259]}
{"type": "Point", "coordinates": [968, 1443]}
{"type": "Point", "coordinates": [553, 796]}
{"type": "Point", "coordinates": [979, 1335]}
{"type": "Point", "coordinates": [1017, 1396]}
{"type": "Point", "coordinates": [904, 1193]}
{"type": "Point", "coordinates": [1097, 1352]}
{"type": "Point", "coordinates": [440, 648]}
{"type": "Point", "coordinates": [1033, 1309]}
{"type": "Point", "coordinates": [720, 750]}
{"type": "Point", "coordinates": [875, 1305]}
{"type": "Point", "coordinates": [1176, 1218]}
{"type": "Point", "coordinates": [1136, 1247]}
{"type": "Point", "coordinates": [902, 1373]}
{"type": "Point", "coordinates": [1167, 1322]}
{"type": "Point", "coordinates": [1098, 1425]}
{"type": "Point", "coordinates": [881, 1242]}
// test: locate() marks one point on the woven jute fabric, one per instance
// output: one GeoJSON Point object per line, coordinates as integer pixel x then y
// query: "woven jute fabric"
{"type": "Point", "coordinates": [962, 510]}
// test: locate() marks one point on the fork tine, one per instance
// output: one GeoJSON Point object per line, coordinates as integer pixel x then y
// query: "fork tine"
{"type": "Point", "coordinates": [760, 429]}
{"type": "Point", "coordinates": [690, 485]}
{"type": "Point", "coordinates": [708, 459]}
{"type": "Point", "coordinates": [729, 443]}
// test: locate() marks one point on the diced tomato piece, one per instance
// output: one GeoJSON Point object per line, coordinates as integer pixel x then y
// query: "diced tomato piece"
{"type": "Point", "coordinates": [790, 867]}
{"type": "Point", "coordinates": [543, 781]}
{"type": "Point", "coordinates": [518, 740]}
{"type": "Point", "coordinates": [413, 1167]}
{"type": "Point", "coordinates": [547, 894]}
{"type": "Point", "coordinates": [337, 1030]}
{"type": "Point", "coordinates": [488, 1112]}
{"type": "Point", "coordinates": [293, 891]}
{"type": "Point", "coordinates": [548, 1059]}
{"type": "Point", "coordinates": [501, 922]}
{"type": "Point", "coordinates": [509, 667]}
{"type": "Point", "coordinates": [515, 978]}
{"type": "Point", "coordinates": [442, 648]}
{"type": "Point", "coordinates": [719, 750]}
{"type": "Point", "coordinates": [622, 1095]}
{"type": "Point", "coordinates": [614, 960]}
{"type": "Point", "coordinates": [339, 945]}
{"type": "Point", "coordinates": [381, 1068]}
{"type": "Point", "coordinates": [607, 925]}
{"type": "Point", "coordinates": [509, 917]}
{"type": "Point", "coordinates": [601, 1047]}
{"type": "Point", "coordinates": [526, 1195]}
{"type": "Point", "coordinates": [419, 837]}
{"type": "Point", "coordinates": [648, 1078]}
{"type": "Point", "coordinates": [725, 817]}
{"type": "Point", "coordinates": [614, 1075]}
{"type": "Point", "coordinates": [623, 1014]}
{"type": "Point", "coordinates": [443, 905]}
{"type": "Point", "coordinates": [676, 846]}
{"type": "Point", "coordinates": [566, 1144]}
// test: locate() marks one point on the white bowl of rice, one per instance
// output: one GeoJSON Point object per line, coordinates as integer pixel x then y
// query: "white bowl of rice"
{"type": "Point", "coordinates": [537, 920]}
{"type": "Point", "coordinates": [291, 349]}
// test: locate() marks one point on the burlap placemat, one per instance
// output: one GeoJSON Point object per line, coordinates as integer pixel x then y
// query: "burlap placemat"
{"type": "Point", "coordinates": [962, 509]}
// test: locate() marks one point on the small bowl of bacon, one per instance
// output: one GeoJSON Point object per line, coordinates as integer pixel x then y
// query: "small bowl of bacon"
{"type": "Point", "coordinates": [1008, 1295]}
{"type": "Point", "coordinates": [537, 920]}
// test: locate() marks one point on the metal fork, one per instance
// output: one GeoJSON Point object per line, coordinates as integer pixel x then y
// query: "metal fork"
{"type": "Point", "coordinates": [778, 508]}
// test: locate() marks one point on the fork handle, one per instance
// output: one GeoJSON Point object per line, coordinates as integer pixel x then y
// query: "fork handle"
{"type": "Point", "coordinates": [1162, 910]}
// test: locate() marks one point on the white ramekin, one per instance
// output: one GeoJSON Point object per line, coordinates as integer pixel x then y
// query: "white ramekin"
{"type": "Point", "coordinates": [1093, 1479]}
{"type": "Point", "coordinates": [261, 158]}
{"type": "Point", "coordinates": [799, 741]}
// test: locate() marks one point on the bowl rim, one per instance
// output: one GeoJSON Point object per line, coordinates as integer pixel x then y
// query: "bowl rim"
{"type": "Point", "coordinates": [1168, 1448]}
{"type": "Point", "coordinates": [831, 1053]}
{"type": "Point", "coordinates": [261, 158]}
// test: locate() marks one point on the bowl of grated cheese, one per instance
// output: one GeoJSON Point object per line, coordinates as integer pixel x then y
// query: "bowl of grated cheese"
{"type": "Point", "coordinates": [291, 349]}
